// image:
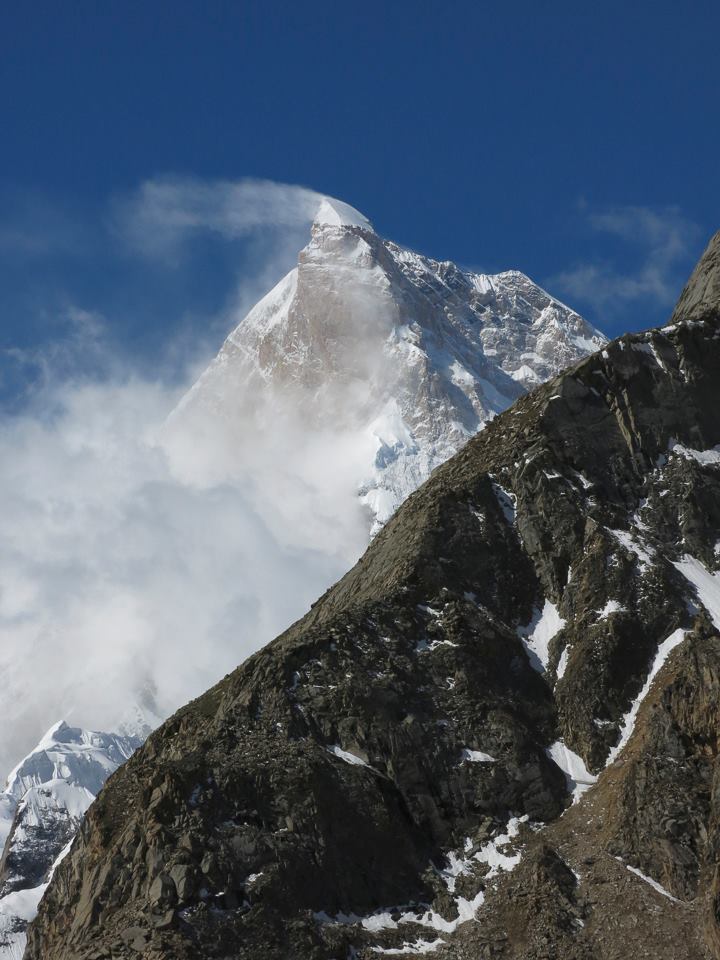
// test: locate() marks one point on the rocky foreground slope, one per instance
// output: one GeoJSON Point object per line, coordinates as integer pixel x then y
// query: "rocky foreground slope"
{"type": "Point", "coordinates": [497, 736]}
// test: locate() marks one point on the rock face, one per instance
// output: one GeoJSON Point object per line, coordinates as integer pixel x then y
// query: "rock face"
{"type": "Point", "coordinates": [534, 633]}
{"type": "Point", "coordinates": [408, 355]}
{"type": "Point", "coordinates": [45, 799]}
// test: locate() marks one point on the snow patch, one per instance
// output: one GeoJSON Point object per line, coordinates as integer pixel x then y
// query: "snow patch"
{"type": "Point", "coordinates": [430, 611]}
{"type": "Point", "coordinates": [650, 348]}
{"type": "Point", "coordinates": [563, 662]}
{"type": "Point", "coordinates": [490, 853]}
{"type": "Point", "coordinates": [477, 756]}
{"type": "Point", "coordinates": [644, 553]}
{"type": "Point", "coordinates": [706, 584]}
{"type": "Point", "coordinates": [612, 606]}
{"type": "Point", "coordinates": [524, 374]}
{"type": "Point", "coordinates": [536, 636]}
{"type": "Point", "coordinates": [424, 645]}
{"type": "Point", "coordinates": [705, 457]}
{"type": "Point", "coordinates": [577, 776]}
{"type": "Point", "coordinates": [337, 751]}
{"type": "Point", "coordinates": [649, 880]}
{"type": "Point", "coordinates": [507, 501]}
{"type": "Point", "coordinates": [418, 946]}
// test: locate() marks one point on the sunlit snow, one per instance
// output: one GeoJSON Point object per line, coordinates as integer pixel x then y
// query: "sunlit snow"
{"type": "Point", "coordinates": [706, 584]}
{"type": "Point", "coordinates": [577, 776]}
{"type": "Point", "coordinates": [477, 756]}
{"type": "Point", "coordinates": [345, 755]}
{"type": "Point", "coordinates": [705, 457]}
{"type": "Point", "coordinates": [649, 880]}
{"type": "Point", "coordinates": [536, 636]}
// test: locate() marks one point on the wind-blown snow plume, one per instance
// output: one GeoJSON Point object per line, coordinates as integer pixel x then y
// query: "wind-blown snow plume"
{"type": "Point", "coordinates": [166, 212]}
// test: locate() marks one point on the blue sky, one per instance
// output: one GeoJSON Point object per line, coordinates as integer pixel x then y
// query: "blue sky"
{"type": "Point", "coordinates": [576, 142]}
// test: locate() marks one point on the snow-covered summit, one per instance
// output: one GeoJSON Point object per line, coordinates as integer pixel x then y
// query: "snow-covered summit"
{"type": "Point", "coordinates": [406, 355]}
{"type": "Point", "coordinates": [82, 758]}
{"type": "Point", "coordinates": [335, 213]}
{"type": "Point", "coordinates": [41, 808]}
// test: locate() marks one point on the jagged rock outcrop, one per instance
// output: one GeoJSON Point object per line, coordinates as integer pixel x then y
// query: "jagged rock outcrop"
{"type": "Point", "coordinates": [535, 631]}
{"type": "Point", "coordinates": [701, 297]}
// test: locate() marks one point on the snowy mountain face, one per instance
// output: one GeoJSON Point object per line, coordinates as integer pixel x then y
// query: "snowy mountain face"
{"type": "Point", "coordinates": [402, 356]}
{"type": "Point", "coordinates": [41, 808]}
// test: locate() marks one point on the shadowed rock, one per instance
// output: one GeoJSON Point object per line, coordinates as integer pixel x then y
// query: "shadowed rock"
{"type": "Point", "coordinates": [381, 774]}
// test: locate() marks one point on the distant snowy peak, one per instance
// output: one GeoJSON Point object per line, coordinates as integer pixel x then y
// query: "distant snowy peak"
{"type": "Point", "coordinates": [41, 808]}
{"type": "Point", "coordinates": [413, 354]}
{"type": "Point", "coordinates": [80, 757]}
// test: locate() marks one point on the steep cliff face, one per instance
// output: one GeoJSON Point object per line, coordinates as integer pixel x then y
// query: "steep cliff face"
{"type": "Point", "coordinates": [506, 713]}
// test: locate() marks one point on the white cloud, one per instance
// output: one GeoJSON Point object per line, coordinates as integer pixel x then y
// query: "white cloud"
{"type": "Point", "coordinates": [658, 243]}
{"type": "Point", "coordinates": [123, 572]}
{"type": "Point", "coordinates": [266, 223]}
{"type": "Point", "coordinates": [167, 212]}
{"type": "Point", "coordinates": [118, 574]}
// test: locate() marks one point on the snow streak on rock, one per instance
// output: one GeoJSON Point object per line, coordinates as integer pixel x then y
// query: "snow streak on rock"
{"type": "Point", "coordinates": [628, 721]}
{"type": "Point", "coordinates": [578, 777]}
{"type": "Point", "coordinates": [653, 883]}
{"type": "Point", "coordinates": [706, 584]}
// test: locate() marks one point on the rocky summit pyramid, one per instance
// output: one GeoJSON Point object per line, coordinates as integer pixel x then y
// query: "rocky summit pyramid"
{"type": "Point", "coordinates": [407, 355]}
{"type": "Point", "coordinates": [496, 737]}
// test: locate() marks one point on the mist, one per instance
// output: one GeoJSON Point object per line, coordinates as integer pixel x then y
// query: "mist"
{"type": "Point", "coordinates": [139, 564]}
{"type": "Point", "coordinates": [124, 580]}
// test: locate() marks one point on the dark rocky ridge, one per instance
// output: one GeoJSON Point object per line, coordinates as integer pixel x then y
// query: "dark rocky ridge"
{"type": "Point", "coordinates": [237, 832]}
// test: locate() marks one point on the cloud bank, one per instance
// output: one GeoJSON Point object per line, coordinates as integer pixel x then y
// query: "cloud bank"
{"type": "Point", "coordinates": [126, 577]}
{"type": "Point", "coordinates": [119, 574]}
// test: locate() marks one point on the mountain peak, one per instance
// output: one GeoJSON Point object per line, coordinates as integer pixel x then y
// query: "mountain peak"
{"type": "Point", "coordinates": [411, 355]}
{"type": "Point", "coordinates": [335, 213]}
